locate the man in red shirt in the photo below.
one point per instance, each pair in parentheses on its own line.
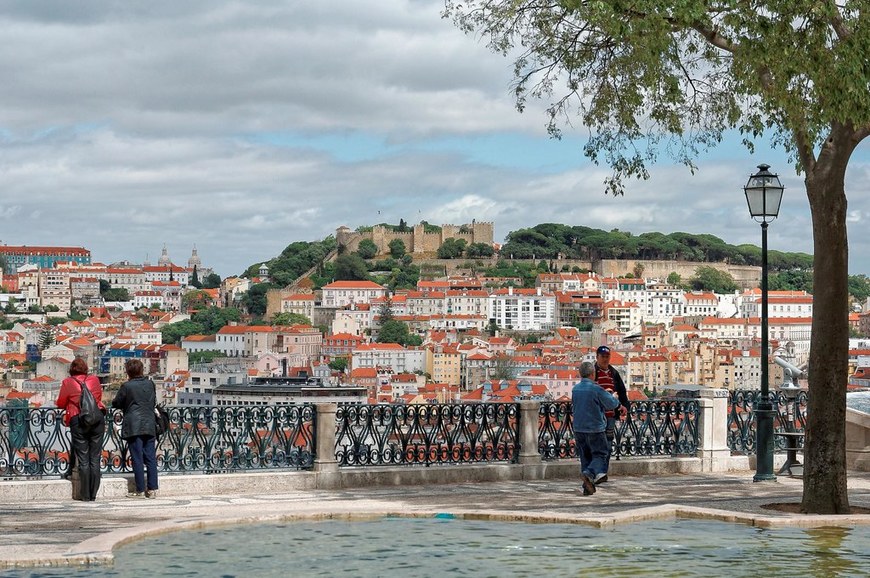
(607,377)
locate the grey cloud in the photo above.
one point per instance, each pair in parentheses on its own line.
(386,66)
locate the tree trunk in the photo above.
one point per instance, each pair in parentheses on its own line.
(825,444)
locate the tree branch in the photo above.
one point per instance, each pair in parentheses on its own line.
(861,133)
(837,22)
(713,37)
(805,150)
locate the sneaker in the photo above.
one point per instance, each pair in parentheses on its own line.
(600,478)
(588,485)
(151,494)
(135,494)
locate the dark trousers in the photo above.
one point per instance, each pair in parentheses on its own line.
(87,446)
(592,448)
(610,433)
(143,453)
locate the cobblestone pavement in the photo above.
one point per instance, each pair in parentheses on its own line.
(69,532)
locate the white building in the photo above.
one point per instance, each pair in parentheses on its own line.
(167,273)
(147,299)
(127,278)
(341,293)
(522,309)
(230,340)
(779,304)
(399,359)
(299,303)
(701,304)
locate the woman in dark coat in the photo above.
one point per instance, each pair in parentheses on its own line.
(137,398)
(87,444)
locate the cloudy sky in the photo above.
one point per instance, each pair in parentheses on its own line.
(239,127)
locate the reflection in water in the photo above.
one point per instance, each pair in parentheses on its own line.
(826,554)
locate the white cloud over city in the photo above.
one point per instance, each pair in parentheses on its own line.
(240,127)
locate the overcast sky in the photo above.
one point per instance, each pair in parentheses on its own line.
(240,127)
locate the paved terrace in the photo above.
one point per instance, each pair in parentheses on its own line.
(51,531)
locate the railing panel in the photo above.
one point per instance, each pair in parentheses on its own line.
(426,434)
(791,416)
(200,440)
(33,442)
(651,428)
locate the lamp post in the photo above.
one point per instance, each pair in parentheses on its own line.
(764,195)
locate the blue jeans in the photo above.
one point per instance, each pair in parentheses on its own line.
(593,449)
(143,453)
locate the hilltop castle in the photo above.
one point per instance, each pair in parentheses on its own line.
(417,241)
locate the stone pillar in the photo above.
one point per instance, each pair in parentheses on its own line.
(325,465)
(713,430)
(857,440)
(530,457)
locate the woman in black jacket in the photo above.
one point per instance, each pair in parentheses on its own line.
(137,399)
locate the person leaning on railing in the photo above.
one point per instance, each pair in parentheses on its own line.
(137,399)
(87,443)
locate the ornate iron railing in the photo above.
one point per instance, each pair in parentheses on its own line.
(214,439)
(791,417)
(651,428)
(426,434)
(33,442)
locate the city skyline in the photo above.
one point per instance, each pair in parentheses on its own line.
(239,129)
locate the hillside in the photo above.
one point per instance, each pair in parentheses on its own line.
(549,240)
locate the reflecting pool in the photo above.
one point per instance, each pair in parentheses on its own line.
(454,547)
(859,400)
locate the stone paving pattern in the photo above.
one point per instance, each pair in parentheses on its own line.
(71,532)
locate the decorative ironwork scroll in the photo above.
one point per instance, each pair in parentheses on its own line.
(208,439)
(791,417)
(426,434)
(651,428)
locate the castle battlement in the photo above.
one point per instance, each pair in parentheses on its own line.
(418,240)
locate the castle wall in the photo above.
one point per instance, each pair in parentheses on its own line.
(417,241)
(746,276)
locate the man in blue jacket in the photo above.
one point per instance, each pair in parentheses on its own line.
(590,402)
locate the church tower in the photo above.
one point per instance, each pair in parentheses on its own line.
(194,261)
(164,260)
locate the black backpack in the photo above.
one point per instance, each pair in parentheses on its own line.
(89,412)
(162,419)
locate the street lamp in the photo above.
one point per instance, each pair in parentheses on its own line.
(764,195)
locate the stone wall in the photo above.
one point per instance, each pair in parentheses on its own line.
(746,276)
(417,241)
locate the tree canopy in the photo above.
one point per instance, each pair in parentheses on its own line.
(294,260)
(287,318)
(394,331)
(254,301)
(351,267)
(367,249)
(452,248)
(711,279)
(397,248)
(549,240)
